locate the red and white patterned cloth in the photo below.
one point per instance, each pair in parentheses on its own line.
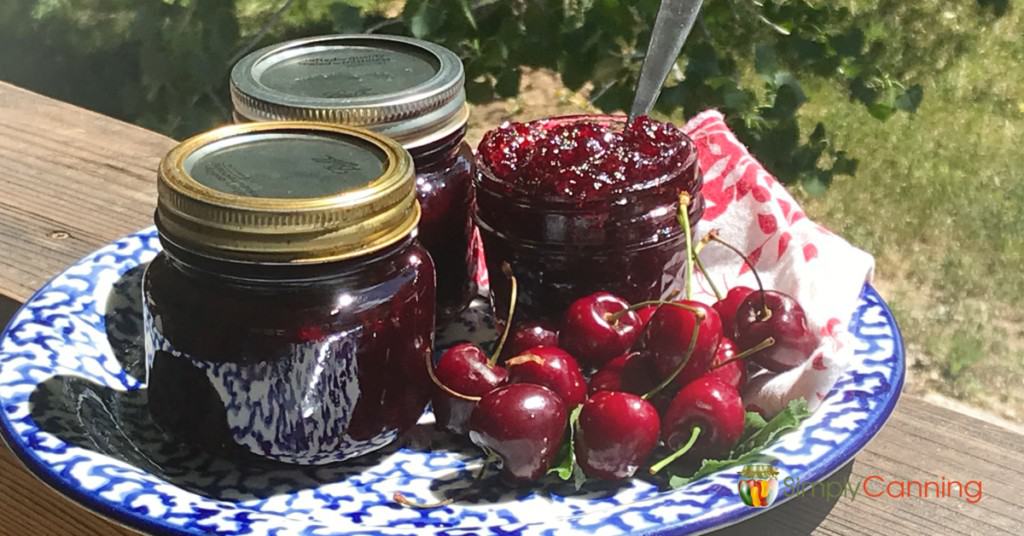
(754,212)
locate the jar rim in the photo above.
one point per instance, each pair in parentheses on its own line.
(276,273)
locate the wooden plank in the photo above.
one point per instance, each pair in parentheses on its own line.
(920,442)
(72,180)
(28,506)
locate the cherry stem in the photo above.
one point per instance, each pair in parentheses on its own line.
(513,294)
(524,358)
(614,317)
(401,499)
(437,381)
(703,242)
(684,220)
(703,270)
(767,343)
(760,286)
(686,358)
(694,434)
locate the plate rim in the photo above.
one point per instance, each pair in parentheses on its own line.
(40,470)
(119,515)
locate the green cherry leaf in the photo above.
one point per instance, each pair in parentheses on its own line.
(749,449)
(566,467)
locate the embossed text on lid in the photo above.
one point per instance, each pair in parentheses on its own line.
(286,165)
(347,71)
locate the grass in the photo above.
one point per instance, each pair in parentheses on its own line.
(939,200)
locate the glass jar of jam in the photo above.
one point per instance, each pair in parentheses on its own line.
(290,314)
(407,89)
(580,204)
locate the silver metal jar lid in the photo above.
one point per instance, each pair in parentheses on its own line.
(407,89)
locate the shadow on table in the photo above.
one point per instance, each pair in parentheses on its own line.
(800,515)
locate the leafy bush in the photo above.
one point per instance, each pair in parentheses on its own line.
(743,57)
(163,63)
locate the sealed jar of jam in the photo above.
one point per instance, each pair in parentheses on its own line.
(407,89)
(584,203)
(291,312)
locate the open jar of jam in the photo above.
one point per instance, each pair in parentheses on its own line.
(580,204)
(290,314)
(407,89)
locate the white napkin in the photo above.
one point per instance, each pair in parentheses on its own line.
(754,212)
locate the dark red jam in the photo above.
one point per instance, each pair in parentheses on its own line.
(584,159)
(444,176)
(299,364)
(407,89)
(584,203)
(290,315)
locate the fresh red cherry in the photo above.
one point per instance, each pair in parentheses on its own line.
(523,424)
(599,327)
(464,373)
(617,432)
(630,372)
(734,371)
(528,335)
(608,377)
(711,405)
(774,314)
(667,339)
(645,313)
(464,369)
(770,325)
(727,306)
(553,368)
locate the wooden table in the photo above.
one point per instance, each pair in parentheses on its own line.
(72,180)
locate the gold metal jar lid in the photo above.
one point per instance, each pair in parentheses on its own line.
(286,193)
(408,89)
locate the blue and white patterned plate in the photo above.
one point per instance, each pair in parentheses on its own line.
(74,410)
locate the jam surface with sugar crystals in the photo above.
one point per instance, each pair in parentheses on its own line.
(583,160)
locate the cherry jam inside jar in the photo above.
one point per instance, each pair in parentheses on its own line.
(408,89)
(444,178)
(580,204)
(290,314)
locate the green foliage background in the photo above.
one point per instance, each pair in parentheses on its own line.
(163,64)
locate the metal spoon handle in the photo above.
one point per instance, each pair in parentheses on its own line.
(674,22)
